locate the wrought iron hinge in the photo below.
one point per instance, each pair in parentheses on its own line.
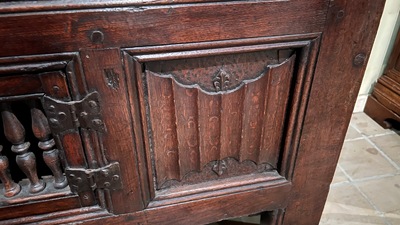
(107,177)
(64,116)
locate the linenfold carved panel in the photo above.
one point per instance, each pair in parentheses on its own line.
(204,110)
(219,169)
(216,73)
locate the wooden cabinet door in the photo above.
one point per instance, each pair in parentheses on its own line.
(212,110)
(57,115)
(220,121)
(38,147)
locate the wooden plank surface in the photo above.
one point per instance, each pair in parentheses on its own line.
(34,33)
(351,29)
(104,73)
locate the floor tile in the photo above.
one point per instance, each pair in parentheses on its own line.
(366,125)
(393,218)
(380,201)
(346,206)
(384,193)
(390,144)
(360,159)
(339,176)
(352,133)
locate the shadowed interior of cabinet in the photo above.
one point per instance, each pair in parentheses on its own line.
(30,162)
(22,112)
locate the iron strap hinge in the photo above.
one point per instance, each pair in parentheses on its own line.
(69,115)
(107,177)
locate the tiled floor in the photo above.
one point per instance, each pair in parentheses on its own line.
(366,186)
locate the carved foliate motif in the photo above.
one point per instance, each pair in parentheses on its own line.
(220,169)
(212,108)
(221,80)
(219,73)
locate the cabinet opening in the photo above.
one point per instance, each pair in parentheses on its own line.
(30,162)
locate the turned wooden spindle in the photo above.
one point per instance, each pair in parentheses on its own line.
(10,187)
(41,130)
(15,133)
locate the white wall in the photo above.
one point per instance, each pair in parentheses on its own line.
(381,49)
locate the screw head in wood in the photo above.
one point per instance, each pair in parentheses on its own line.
(97,122)
(340,14)
(56,88)
(359,60)
(105,173)
(51,108)
(62,116)
(92,104)
(115,177)
(97,37)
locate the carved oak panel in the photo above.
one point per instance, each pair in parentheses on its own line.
(207,109)
(210,115)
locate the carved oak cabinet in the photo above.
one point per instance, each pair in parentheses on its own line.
(176,112)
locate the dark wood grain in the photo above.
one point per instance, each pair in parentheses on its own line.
(277,97)
(213,109)
(222,207)
(386,93)
(165,142)
(253,115)
(298,106)
(55,85)
(237,175)
(141,141)
(394,60)
(187,117)
(12,6)
(10,187)
(329,109)
(116,141)
(209,127)
(378,112)
(41,130)
(39,207)
(197,22)
(60,217)
(24,84)
(231,133)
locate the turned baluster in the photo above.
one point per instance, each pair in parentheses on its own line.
(10,187)
(15,133)
(41,130)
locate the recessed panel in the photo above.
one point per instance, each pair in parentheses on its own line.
(216,117)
